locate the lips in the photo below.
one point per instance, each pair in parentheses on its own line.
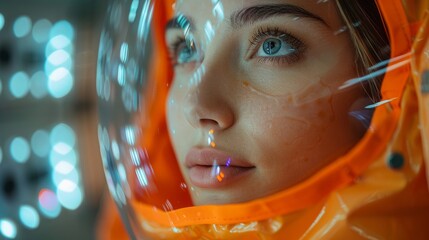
(212,168)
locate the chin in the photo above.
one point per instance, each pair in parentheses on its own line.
(219,198)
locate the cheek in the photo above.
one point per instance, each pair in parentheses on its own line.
(294,127)
(176,122)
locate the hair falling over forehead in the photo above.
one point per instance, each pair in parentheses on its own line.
(364,23)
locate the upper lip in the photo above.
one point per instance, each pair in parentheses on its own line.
(210,156)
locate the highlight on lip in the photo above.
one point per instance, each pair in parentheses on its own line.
(212,168)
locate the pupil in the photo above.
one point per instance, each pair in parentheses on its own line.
(272,46)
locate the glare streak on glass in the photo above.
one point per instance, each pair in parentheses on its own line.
(130,136)
(142,178)
(384,63)
(210,32)
(218,11)
(115,150)
(210,138)
(121,75)
(135,156)
(145,20)
(364,234)
(133,11)
(341,30)
(196,77)
(372,75)
(124,52)
(380,103)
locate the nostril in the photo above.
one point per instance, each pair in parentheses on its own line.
(206,122)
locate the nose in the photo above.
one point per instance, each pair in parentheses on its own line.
(208,103)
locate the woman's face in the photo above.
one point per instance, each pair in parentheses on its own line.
(255,105)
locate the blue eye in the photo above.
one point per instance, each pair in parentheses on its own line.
(274,47)
(184,52)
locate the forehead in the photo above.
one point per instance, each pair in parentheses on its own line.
(203,10)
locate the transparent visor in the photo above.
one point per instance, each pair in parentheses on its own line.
(210,102)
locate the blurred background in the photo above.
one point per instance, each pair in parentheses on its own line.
(51,177)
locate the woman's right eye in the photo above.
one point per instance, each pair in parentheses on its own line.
(183,52)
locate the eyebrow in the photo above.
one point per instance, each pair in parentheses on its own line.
(253,14)
(248,16)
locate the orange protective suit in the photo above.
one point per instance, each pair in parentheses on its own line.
(377,191)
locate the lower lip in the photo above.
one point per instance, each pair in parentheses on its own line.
(208,177)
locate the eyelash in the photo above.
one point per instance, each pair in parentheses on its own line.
(256,41)
(173,49)
(264,33)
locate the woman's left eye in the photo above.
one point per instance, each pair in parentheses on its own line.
(274,47)
(271,44)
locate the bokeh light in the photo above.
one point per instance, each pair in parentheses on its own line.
(59,57)
(50,48)
(56,157)
(60,41)
(67,185)
(63,133)
(19,149)
(60,82)
(41,30)
(64,167)
(1,21)
(29,216)
(40,143)
(19,84)
(133,11)
(62,148)
(22,26)
(115,150)
(58,176)
(70,199)
(8,228)
(38,85)
(62,27)
(124,52)
(48,203)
